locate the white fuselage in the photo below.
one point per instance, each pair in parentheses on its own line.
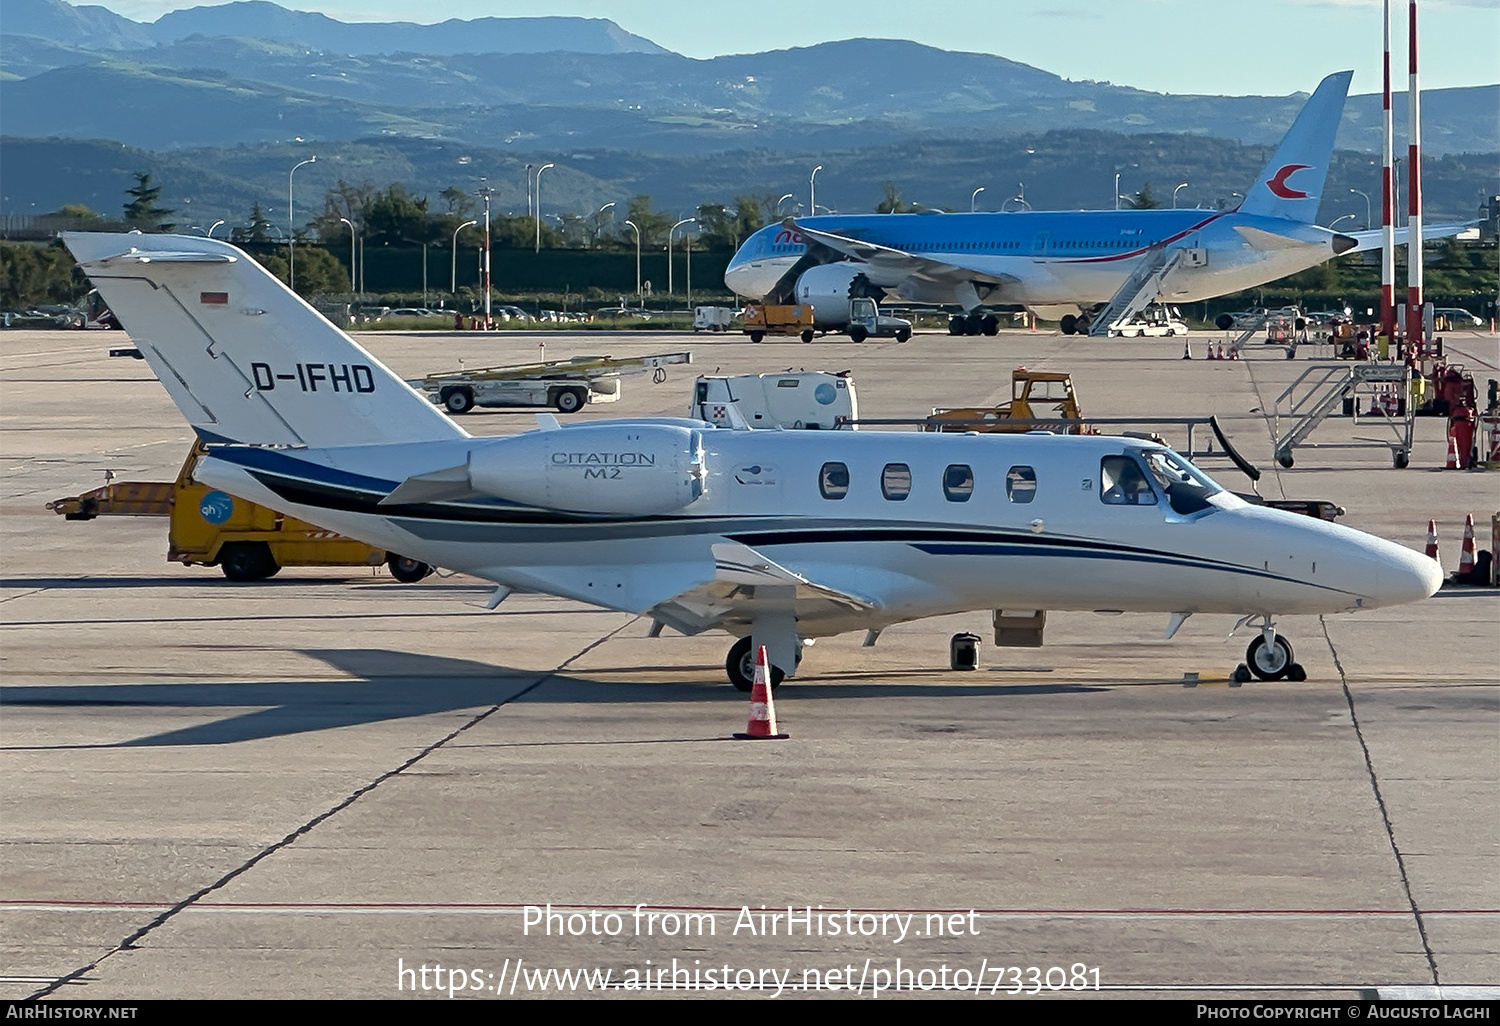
(1055,545)
(1049,259)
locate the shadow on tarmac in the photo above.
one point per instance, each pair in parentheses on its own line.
(399,685)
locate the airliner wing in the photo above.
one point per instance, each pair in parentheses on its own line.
(892,264)
(1371,239)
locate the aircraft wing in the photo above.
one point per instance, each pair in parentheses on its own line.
(896,264)
(1371,239)
(747,582)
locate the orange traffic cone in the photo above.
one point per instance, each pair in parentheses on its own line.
(1432,546)
(1209,355)
(1234,354)
(1466,554)
(762,709)
(1186,355)
(1452,463)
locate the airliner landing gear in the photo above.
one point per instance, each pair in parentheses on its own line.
(976,323)
(1269,657)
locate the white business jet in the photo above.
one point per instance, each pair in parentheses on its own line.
(777,537)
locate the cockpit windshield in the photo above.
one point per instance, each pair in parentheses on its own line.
(1187,488)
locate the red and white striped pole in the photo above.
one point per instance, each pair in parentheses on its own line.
(1388,204)
(1414,193)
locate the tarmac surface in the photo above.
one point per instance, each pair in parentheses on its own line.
(330,784)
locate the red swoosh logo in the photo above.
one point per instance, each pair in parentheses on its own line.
(1278,185)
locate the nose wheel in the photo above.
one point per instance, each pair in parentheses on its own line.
(1269,657)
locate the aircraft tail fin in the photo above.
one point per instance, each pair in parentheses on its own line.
(1291,185)
(244,358)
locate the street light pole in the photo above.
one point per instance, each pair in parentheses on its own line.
(215,225)
(1367,206)
(453,278)
(812,191)
(781,201)
(539,204)
(529,169)
(597,214)
(1174,194)
(485,269)
(1117,190)
(974,197)
(291,241)
(679,224)
(638,297)
(351,252)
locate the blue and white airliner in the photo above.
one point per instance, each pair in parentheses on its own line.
(1093,270)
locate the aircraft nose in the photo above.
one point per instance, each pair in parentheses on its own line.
(1406,576)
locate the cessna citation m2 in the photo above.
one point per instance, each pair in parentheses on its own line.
(777,537)
(1093,270)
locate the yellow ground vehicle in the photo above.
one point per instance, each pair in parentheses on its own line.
(1034,395)
(209,527)
(761,321)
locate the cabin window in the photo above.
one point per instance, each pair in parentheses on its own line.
(958,482)
(895,481)
(1123,483)
(1020,484)
(833,481)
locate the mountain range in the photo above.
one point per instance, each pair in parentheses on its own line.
(253,79)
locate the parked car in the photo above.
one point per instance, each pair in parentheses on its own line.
(511,313)
(417,311)
(1458,317)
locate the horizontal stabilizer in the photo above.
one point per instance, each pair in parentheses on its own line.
(136,256)
(1371,239)
(1269,242)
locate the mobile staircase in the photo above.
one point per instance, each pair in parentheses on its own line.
(1140,290)
(1325,390)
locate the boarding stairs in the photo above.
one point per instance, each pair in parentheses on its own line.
(1247,333)
(1140,290)
(1325,390)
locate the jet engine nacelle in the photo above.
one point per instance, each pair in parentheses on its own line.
(623,470)
(828,289)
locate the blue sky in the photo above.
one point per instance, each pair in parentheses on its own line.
(1226,47)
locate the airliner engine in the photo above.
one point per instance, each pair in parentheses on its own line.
(828,289)
(619,469)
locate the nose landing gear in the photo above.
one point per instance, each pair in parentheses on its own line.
(1269,657)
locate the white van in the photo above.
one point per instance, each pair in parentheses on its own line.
(712,318)
(805,400)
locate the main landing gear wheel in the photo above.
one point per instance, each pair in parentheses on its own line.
(989,324)
(740,666)
(956,325)
(1273,661)
(1068,324)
